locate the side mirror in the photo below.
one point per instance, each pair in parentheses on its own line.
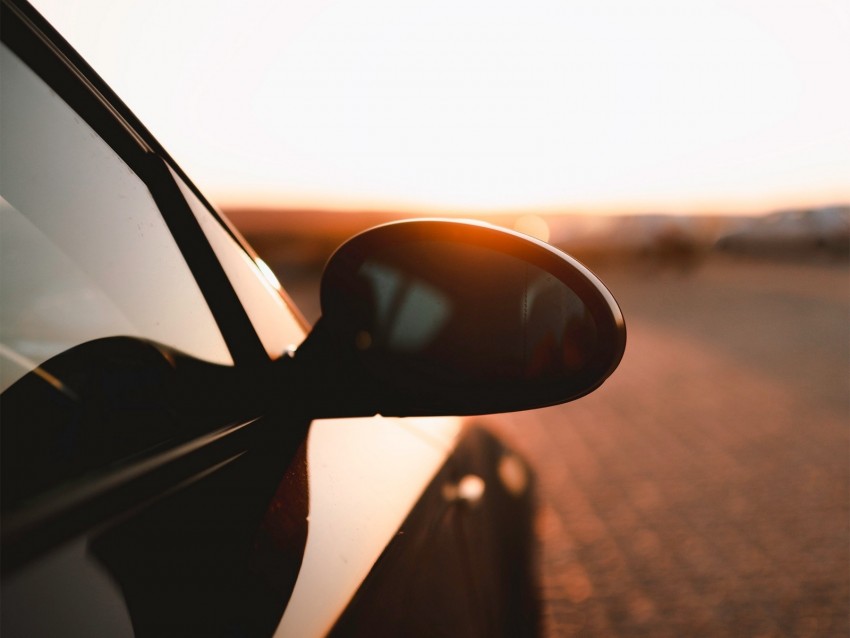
(435,317)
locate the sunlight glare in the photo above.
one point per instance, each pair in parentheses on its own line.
(268,273)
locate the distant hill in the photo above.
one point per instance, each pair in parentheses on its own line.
(308,237)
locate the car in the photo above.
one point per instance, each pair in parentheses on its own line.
(182,454)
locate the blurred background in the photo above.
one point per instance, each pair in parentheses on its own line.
(695,155)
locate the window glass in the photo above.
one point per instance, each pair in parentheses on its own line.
(108,349)
(86,253)
(259,292)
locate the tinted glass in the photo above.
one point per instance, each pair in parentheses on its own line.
(107,347)
(86,253)
(471,313)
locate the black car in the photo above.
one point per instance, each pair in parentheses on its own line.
(183,455)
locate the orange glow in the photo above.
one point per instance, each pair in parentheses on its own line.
(613,106)
(533,225)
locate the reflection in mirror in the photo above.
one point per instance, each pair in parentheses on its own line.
(467,318)
(408,314)
(509,320)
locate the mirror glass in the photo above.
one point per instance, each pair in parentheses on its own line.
(470,317)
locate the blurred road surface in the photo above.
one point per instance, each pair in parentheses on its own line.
(704,490)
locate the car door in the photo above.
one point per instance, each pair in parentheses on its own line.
(149,485)
(122,500)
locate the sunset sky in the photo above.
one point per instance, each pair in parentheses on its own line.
(474,105)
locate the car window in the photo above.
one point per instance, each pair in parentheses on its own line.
(86,253)
(108,349)
(275,323)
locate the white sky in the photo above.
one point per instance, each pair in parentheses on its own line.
(607,105)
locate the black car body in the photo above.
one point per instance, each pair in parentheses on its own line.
(150,485)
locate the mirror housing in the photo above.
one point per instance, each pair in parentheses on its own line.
(438,317)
